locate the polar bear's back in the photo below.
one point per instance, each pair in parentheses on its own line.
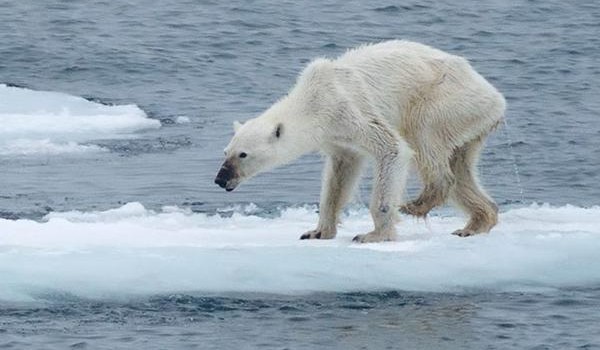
(394,70)
(411,84)
(406,64)
(393,49)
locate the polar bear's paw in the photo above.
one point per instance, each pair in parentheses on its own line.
(416,208)
(374,236)
(318,234)
(465,232)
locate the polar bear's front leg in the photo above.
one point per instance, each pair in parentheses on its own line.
(392,157)
(341,174)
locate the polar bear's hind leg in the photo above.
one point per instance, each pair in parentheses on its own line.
(468,194)
(438,180)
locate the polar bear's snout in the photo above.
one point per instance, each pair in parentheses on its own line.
(227,176)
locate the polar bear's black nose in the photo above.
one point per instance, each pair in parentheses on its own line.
(225,174)
(222,183)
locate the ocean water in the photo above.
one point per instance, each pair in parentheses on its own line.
(113,117)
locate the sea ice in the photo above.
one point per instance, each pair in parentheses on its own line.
(132,250)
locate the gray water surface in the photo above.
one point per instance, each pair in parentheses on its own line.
(217,62)
(387,320)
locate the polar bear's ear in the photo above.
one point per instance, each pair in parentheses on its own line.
(236,126)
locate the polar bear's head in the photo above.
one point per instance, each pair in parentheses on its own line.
(288,129)
(258,145)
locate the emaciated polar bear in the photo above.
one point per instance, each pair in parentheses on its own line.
(394,101)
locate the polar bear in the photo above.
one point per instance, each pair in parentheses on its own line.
(396,102)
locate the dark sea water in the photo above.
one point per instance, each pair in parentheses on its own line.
(390,320)
(219,61)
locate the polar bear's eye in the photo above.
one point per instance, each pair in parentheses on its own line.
(278,130)
(243,155)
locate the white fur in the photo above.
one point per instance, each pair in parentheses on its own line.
(393,101)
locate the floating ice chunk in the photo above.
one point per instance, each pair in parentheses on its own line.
(45,122)
(27,147)
(182,119)
(132,250)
